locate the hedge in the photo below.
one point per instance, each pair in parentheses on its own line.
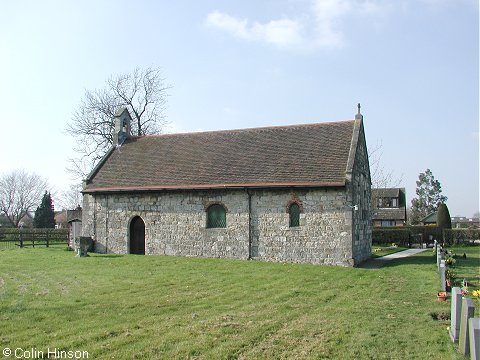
(397,235)
(461,236)
(407,235)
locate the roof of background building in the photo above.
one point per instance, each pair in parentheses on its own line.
(297,155)
(464,219)
(389,214)
(430,218)
(387,192)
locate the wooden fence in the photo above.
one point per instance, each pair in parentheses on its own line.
(11,237)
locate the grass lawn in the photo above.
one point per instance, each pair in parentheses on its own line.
(379,251)
(141,307)
(467,268)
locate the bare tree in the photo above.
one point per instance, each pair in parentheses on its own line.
(381,178)
(20,192)
(71,198)
(143,92)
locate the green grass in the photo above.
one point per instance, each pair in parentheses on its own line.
(467,268)
(141,307)
(379,251)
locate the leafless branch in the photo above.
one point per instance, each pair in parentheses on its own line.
(381,178)
(20,192)
(70,199)
(143,92)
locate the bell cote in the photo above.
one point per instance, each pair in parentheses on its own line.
(122,126)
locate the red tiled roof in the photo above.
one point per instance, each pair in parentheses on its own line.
(297,155)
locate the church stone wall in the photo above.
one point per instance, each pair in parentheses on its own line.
(323,237)
(257,224)
(175,223)
(359,190)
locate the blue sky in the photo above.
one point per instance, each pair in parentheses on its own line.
(412,64)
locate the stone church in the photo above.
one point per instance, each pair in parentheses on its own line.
(299,193)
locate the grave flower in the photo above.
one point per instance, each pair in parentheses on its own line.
(450,261)
(450,274)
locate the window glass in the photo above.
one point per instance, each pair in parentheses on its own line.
(294,212)
(379,202)
(216,217)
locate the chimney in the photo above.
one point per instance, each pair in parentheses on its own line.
(122,126)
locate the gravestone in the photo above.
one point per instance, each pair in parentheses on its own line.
(82,245)
(468,311)
(442,276)
(474,334)
(455,312)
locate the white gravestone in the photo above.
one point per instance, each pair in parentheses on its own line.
(456,310)
(468,311)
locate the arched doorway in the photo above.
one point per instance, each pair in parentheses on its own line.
(137,236)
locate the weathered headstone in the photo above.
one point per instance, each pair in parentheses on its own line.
(442,276)
(468,311)
(455,312)
(82,244)
(474,334)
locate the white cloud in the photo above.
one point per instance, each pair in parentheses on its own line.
(319,27)
(284,32)
(228,23)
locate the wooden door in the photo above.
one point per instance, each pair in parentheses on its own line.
(137,236)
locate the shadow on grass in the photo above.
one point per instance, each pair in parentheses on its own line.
(424,258)
(109,256)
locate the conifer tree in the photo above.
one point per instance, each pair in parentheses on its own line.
(44,215)
(444,221)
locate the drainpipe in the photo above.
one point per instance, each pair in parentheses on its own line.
(106,224)
(94,217)
(249,225)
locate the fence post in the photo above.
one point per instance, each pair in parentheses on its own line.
(20,237)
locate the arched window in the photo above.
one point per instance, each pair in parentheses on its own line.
(216,216)
(294,212)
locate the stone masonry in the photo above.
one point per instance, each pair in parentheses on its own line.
(175,224)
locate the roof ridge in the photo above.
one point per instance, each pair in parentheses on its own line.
(326,123)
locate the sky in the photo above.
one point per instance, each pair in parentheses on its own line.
(412,64)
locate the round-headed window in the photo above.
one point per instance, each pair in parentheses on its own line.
(216,216)
(294,212)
